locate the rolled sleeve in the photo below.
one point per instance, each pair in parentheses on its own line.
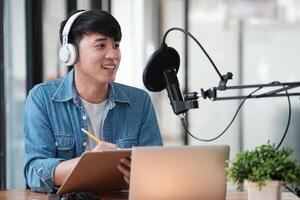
(40,149)
(40,174)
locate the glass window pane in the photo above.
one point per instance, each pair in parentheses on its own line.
(54,12)
(271,54)
(219,37)
(15,66)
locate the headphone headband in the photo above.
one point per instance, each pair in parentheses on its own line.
(68,26)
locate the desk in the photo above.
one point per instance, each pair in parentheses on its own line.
(29,195)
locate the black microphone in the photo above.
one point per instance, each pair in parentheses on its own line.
(173,89)
(160,73)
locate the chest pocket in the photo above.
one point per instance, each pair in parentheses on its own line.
(126,142)
(65,146)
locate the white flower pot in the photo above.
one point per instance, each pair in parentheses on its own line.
(273,190)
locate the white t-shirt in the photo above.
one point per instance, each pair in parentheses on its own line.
(95,120)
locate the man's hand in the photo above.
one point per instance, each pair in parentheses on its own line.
(104,146)
(124,167)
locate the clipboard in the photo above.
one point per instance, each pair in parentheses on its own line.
(97,173)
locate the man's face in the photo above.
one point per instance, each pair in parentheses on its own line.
(99,58)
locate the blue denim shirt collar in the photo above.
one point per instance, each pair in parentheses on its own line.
(67,91)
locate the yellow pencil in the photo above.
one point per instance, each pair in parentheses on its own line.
(91,135)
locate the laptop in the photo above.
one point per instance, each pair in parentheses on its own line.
(179,172)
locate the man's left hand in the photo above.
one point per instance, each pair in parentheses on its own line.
(124,167)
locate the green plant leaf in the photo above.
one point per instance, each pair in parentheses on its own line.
(263,164)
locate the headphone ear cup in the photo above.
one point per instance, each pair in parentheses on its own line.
(68,54)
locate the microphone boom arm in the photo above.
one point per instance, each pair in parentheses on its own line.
(212,93)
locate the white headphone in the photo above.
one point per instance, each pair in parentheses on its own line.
(68,51)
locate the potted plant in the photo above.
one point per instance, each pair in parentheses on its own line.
(263,168)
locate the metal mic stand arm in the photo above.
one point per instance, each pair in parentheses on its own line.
(212,92)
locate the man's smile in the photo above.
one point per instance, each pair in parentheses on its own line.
(109,66)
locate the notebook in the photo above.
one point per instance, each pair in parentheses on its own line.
(97,173)
(185,172)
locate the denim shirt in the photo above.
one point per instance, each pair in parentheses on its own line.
(53,118)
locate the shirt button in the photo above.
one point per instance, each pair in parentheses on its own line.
(56,144)
(84,144)
(84,117)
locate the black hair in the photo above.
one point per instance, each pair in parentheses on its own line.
(93,21)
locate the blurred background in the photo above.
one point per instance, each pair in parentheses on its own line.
(257,40)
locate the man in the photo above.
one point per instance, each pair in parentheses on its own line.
(121,116)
